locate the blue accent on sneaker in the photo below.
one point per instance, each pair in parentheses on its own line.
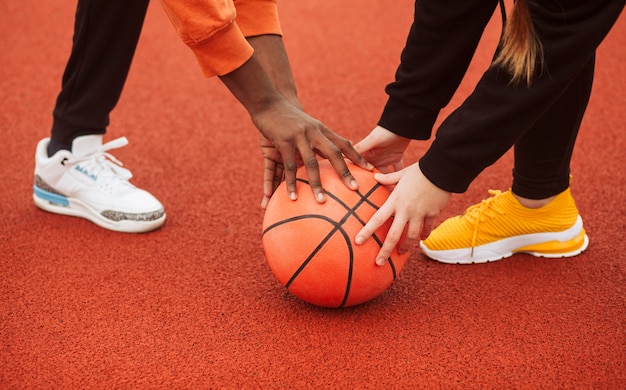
(86,172)
(50,197)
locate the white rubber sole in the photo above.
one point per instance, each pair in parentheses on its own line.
(567,243)
(75,208)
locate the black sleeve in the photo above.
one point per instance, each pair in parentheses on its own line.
(439,48)
(498,113)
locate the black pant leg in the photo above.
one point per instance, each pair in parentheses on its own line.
(106,33)
(543,153)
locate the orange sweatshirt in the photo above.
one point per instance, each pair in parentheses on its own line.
(216,30)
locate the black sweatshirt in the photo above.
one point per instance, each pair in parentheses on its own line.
(439,48)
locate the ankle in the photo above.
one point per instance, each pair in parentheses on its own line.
(54,146)
(533,203)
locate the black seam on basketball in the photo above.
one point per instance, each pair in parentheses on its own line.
(337,228)
(352,211)
(348,243)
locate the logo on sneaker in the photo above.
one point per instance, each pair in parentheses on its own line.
(86,172)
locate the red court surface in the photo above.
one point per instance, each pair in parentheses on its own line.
(195,305)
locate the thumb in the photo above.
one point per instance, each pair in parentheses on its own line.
(389,178)
(365,144)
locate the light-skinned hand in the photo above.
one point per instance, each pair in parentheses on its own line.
(413,204)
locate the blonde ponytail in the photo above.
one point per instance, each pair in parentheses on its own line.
(520,52)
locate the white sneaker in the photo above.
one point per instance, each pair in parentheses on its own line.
(90,183)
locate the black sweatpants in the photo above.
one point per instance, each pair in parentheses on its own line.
(540,121)
(106,33)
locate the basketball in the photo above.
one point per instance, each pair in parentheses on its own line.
(310,246)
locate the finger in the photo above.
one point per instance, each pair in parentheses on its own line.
(391,178)
(269,175)
(391,240)
(278,176)
(339,165)
(313,172)
(411,237)
(272,177)
(346,148)
(288,154)
(365,144)
(376,221)
(264,202)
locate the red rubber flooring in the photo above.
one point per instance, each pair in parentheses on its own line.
(194,305)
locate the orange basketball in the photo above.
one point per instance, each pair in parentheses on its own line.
(310,246)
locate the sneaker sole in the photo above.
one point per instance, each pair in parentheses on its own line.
(567,243)
(59,204)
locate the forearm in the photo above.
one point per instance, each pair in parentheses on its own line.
(252,86)
(270,52)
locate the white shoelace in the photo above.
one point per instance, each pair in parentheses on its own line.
(103,165)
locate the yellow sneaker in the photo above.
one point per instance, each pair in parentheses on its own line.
(500,226)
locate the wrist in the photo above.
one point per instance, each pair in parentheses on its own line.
(252,87)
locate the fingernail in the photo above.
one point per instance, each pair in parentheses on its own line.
(359,240)
(321,197)
(293,196)
(380,261)
(354,184)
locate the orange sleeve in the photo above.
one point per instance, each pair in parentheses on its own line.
(208,27)
(258,17)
